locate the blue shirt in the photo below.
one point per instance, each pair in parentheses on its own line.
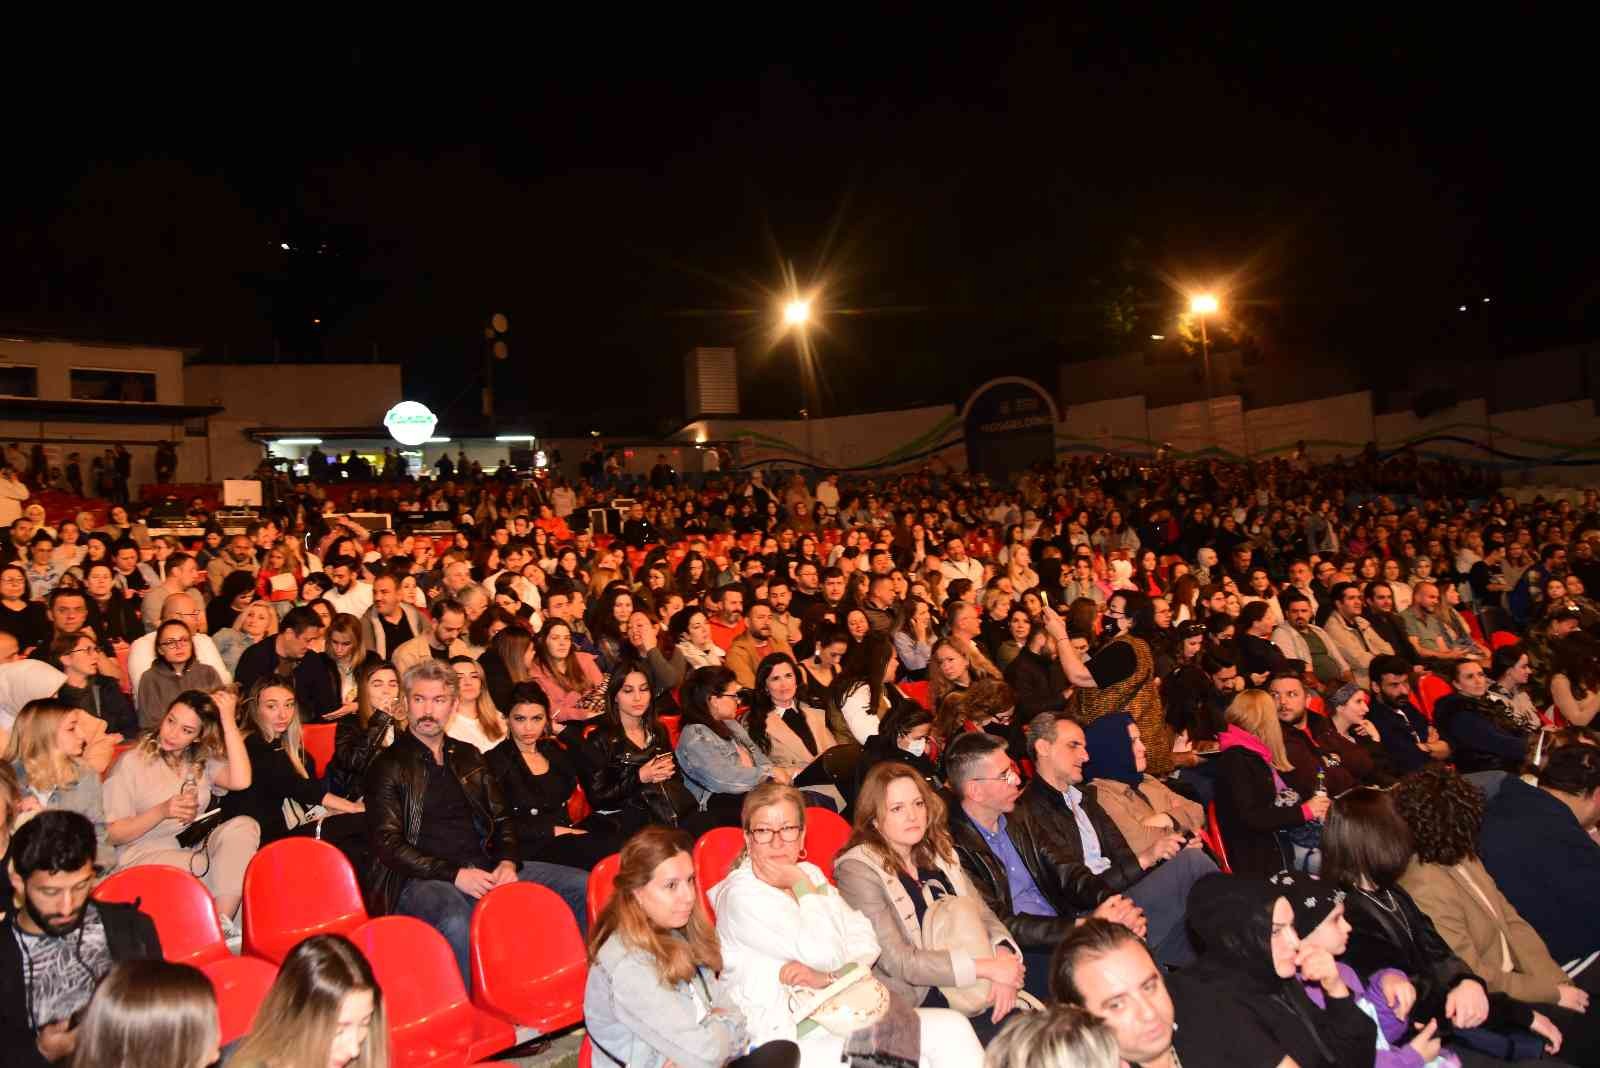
(1026,899)
(1093,859)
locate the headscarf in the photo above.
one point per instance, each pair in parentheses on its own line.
(1111,750)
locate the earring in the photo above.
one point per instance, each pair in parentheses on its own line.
(802,852)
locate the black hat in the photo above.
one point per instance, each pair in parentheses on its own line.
(1190,628)
(1312,899)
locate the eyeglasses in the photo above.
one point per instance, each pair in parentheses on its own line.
(763,835)
(1008,776)
(174,643)
(730,696)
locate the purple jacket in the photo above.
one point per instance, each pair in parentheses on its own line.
(1396,1032)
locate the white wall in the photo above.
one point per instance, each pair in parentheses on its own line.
(1186,427)
(1120,423)
(56,359)
(1324,425)
(293,394)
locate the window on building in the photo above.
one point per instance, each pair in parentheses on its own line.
(93,384)
(19,380)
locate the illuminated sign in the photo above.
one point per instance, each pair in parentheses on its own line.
(410,423)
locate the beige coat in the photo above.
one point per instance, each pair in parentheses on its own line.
(1358,645)
(788,751)
(905,965)
(409,654)
(1474,932)
(743,657)
(1129,808)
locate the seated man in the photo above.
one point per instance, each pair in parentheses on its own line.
(1536,843)
(1411,741)
(1159,1022)
(441,834)
(755,644)
(1354,637)
(443,641)
(1084,859)
(995,853)
(1298,638)
(58,943)
(1314,767)
(289,653)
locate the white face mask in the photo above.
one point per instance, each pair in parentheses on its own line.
(916,747)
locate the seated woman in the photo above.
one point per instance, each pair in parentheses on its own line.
(629,773)
(108,715)
(1366,847)
(158,788)
(45,754)
(720,762)
(285,789)
(819,670)
(1019,624)
(956,663)
(1253,954)
(1484,734)
(324,1010)
(1509,671)
(1450,884)
(359,738)
(538,778)
(785,930)
(904,737)
(1141,806)
(174,671)
(255,622)
(654,995)
(793,734)
(149,1014)
(864,689)
(507,661)
(689,633)
(913,638)
(899,861)
(1575,678)
(476,721)
(568,676)
(988,705)
(347,655)
(1347,732)
(1254,804)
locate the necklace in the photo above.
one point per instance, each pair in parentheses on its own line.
(1393,908)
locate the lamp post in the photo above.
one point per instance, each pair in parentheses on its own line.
(797,317)
(1202,305)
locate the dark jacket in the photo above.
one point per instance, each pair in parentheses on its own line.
(117,619)
(1250,812)
(130,935)
(1478,742)
(610,764)
(496,679)
(1308,758)
(1367,761)
(1038,683)
(272,780)
(354,748)
(1055,849)
(1546,864)
(396,782)
(1387,930)
(988,875)
(1402,728)
(104,700)
(536,805)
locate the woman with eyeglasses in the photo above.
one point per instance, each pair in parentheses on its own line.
(174,671)
(787,932)
(96,694)
(720,761)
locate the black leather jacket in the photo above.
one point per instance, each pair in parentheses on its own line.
(610,764)
(396,783)
(353,751)
(988,875)
(1054,849)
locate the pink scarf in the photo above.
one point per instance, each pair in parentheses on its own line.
(1236,737)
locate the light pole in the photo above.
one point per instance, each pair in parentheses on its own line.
(1202,305)
(797,317)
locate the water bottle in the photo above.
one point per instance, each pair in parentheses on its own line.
(1322,783)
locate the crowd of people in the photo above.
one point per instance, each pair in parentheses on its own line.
(1157,763)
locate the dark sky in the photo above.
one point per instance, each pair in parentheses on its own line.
(970,191)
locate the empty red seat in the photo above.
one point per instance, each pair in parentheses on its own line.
(917,691)
(181,907)
(430,1019)
(673,725)
(1315,703)
(278,911)
(529,973)
(714,855)
(826,834)
(1429,689)
(1503,637)
(241,983)
(601,878)
(318,739)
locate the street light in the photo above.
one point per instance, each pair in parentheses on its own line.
(1202,305)
(797,318)
(797,312)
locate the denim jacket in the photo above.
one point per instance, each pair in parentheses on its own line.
(712,766)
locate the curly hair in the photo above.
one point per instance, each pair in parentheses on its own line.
(1445,813)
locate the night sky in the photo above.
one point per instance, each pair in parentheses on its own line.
(975,195)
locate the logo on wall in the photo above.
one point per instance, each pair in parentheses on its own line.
(410,423)
(1010,423)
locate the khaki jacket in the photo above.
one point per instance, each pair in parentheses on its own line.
(1358,644)
(743,658)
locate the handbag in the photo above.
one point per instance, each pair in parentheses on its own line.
(296,815)
(852,1002)
(955,922)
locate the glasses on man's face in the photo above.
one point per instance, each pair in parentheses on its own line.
(175,643)
(763,835)
(1009,776)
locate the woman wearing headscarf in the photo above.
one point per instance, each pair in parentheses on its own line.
(1253,954)
(1141,806)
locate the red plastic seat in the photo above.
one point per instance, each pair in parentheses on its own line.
(318,739)
(586,1053)
(673,725)
(826,834)
(1316,704)
(1501,638)
(578,806)
(714,855)
(918,692)
(601,879)
(531,974)
(1212,835)
(241,983)
(278,914)
(182,908)
(431,1022)
(1429,689)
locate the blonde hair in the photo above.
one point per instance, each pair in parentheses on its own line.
(1062,1036)
(266,608)
(33,742)
(297,1021)
(487,715)
(293,747)
(1256,712)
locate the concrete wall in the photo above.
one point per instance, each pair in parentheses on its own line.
(1104,425)
(292,394)
(55,361)
(878,440)
(1188,430)
(1327,426)
(1469,419)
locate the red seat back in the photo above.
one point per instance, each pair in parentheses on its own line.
(182,908)
(531,974)
(1429,689)
(826,834)
(673,725)
(318,739)
(714,855)
(430,1019)
(278,912)
(241,984)
(601,878)
(578,806)
(1316,704)
(918,692)
(1503,637)
(1212,834)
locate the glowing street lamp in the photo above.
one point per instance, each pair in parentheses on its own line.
(797,312)
(1202,305)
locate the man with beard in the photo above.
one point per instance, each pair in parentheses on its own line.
(58,944)
(442,834)
(288,654)
(1289,694)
